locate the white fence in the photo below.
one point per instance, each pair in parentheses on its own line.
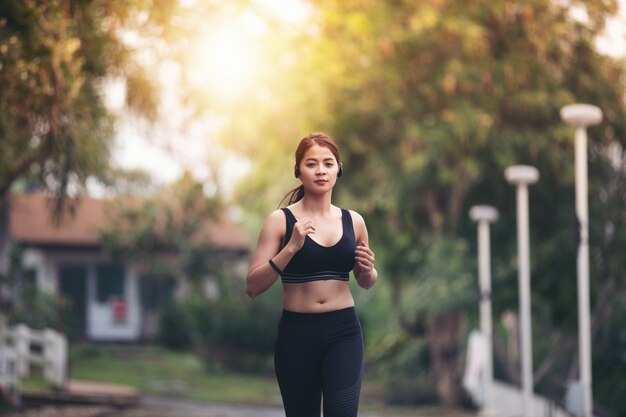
(9,376)
(506,399)
(23,347)
(508,403)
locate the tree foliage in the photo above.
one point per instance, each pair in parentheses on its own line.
(430,102)
(55,55)
(166,235)
(55,130)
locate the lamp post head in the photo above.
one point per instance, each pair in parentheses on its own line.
(521,174)
(581,115)
(483,213)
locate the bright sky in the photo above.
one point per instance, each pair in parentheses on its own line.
(614,41)
(232,46)
(223,62)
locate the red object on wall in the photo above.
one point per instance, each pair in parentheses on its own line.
(119,309)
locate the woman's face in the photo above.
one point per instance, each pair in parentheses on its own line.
(318,169)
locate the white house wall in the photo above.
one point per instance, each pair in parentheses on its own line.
(100,323)
(45,269)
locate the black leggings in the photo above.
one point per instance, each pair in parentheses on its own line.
(319,354)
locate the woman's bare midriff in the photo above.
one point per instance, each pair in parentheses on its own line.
(317,296)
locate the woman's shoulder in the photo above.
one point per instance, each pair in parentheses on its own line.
(356,217)
(358,224)
(276,215)
(274,223)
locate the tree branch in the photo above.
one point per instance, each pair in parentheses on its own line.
(434,216)
(20,168)
(559,348)
(602,305)
(455,205)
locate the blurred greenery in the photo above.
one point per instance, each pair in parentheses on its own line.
(165,232)
(54,126)
(36,309)
(56,131)
(158,371)
(429,101)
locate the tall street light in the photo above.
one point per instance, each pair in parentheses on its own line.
(521,176)
(581,116)
(484,215)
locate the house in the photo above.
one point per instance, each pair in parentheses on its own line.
(108,300)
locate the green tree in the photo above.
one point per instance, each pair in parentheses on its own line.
(55,56)
(55,130)
(430,101)
(446,95)
(166,235)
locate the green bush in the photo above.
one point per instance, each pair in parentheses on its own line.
(411,391)
(236,322)
(398,356)
(251,327)
(402,364)
(232,331)
(8,400)
(36,309)
(176,327)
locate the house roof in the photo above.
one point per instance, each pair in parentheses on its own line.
(31,224)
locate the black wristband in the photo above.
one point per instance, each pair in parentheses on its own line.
(275,267)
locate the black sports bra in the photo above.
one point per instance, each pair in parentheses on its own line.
(314,262)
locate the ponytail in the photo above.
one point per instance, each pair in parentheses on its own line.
(293,196)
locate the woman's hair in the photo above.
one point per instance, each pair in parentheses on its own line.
(305,144)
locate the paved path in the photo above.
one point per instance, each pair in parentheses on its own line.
(198,409)
(154,409)
(158,407)
(195,409)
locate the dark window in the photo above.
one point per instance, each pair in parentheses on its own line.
(110,281)
(73,292)
(29,280)
(155,292)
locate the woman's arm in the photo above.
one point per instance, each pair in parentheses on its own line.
(261,275)
(364,271)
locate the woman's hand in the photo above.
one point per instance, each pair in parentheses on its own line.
(301,229)
(364,271)
(364,258)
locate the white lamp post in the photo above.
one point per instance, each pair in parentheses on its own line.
(484,215)
(521,176)
(581,116)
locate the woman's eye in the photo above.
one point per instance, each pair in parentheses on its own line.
(330,165)
(310,165)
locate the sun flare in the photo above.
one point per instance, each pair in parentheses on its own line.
(230,54)
(225,61)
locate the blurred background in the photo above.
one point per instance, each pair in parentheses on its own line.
(144,142)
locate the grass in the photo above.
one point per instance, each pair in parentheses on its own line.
(35,382)
(156,371)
